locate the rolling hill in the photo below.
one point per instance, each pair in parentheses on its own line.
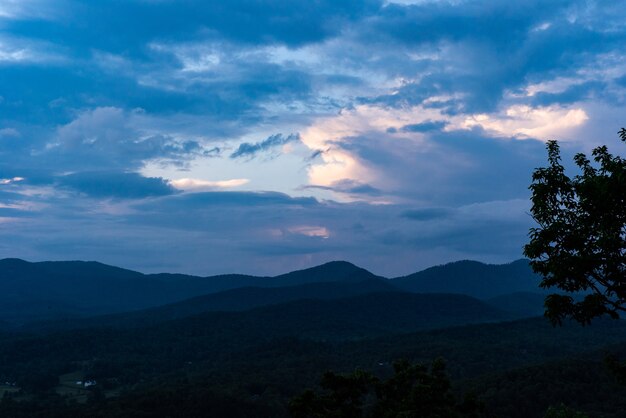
(240,299)
(49,290)
(479,280)
(46,291)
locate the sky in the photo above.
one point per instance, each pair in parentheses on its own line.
(263,136)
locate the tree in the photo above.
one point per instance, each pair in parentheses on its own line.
(579,245)
(413,391)
(562,411)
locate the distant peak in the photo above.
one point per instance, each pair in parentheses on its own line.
(13,261)
(458,263)
(523,261)
(336,266)
(339,263)
(331,271)
(479,263)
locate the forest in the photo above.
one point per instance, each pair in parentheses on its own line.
(270,352)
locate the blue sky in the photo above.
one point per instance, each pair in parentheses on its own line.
(261,136)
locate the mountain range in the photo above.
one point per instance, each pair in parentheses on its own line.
(46,291)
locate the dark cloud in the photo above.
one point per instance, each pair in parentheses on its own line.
(105,90)
(473,165)
(350,187)
(575,93)
(427,214)
(425,126)
(314,155)
(14,213)
(621,80)
(131,24)
(243,199)
(482,49)
(109,138)
(116,185)
(250,150)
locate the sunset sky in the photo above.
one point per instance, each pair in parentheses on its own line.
(262,136)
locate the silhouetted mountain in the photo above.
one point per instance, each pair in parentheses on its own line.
(523,304)
(54,290)
(335,271)
(47,290)
(359,316)
(372,314)
(472,278)
(240,299)
(66,288)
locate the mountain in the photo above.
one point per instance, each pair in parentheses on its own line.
(49,290)
(351,318)
(479,280)
(72,289)
(240,299)
(523,304)
(335,271)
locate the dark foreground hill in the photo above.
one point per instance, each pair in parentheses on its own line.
(326,318)
(218,361)
(240,299)
(479,280)
(522,304)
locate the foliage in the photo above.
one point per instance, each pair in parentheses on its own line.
(562,411)
(617,368)
(412,391)
(182,364)
(579,246)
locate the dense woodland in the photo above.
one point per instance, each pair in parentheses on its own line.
(254,352)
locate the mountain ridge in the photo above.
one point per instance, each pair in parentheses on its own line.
(472,278)
(35,291)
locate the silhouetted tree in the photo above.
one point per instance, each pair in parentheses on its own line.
(413,391)
(579,245)
(563,412)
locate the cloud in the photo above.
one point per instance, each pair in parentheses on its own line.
(525,121)
(427,214)
(9,133)
(104,184)
(426,126)
(247,21)
(135,124)
(197,184)
(250,150)
(480,50)
(27,9)
(10,180)
(349,187)
(370,145)
(112,138)
(229,198)
(310,231)
(574,93)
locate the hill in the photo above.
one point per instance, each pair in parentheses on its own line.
(50,290)
(265,358)
(479,280)
(47,291)
(358,316)
(240,299)
(522,304)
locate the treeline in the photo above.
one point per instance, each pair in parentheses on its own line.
(516,369)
